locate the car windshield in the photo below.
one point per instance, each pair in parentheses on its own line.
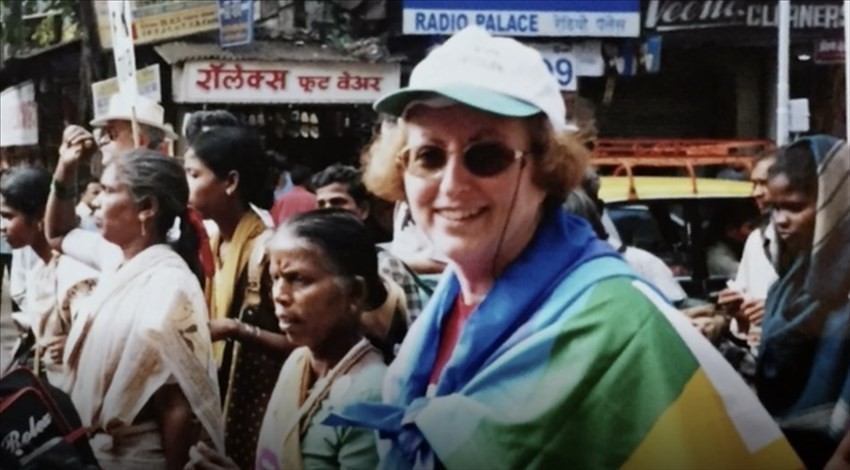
(700,240)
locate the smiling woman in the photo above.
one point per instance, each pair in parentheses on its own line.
(538,329)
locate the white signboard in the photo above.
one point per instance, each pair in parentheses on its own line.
(18,116)
(147,82)
(283,82)
(121,21)
(567,62)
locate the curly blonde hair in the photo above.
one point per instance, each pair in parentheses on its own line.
(558,160)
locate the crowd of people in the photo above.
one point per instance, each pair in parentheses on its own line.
(204,312)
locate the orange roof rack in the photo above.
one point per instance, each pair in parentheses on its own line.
(626,154)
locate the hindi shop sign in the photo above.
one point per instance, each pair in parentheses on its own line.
(287,82)
(18,116)
(586,18)
(161,21)
(674,15)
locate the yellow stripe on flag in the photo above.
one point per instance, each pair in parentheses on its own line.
(696,432)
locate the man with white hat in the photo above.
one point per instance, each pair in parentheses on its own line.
(118,128)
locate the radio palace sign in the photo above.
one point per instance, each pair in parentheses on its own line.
(673,15)
(574,18)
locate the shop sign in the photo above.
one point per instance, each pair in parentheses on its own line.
(236,22)
(18,116)
(566,62)
(672,15)
(162,20)
(829,51)
(287,82)
(583,18)
(147,82)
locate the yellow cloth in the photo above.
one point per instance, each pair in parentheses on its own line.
(221,291)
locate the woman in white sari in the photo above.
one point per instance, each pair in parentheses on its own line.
(324,266)
(139,359)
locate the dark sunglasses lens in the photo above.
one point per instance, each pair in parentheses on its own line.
(426,161)
(488,159)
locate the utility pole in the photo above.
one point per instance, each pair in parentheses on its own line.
(783,52)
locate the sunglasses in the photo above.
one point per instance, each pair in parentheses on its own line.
(482,159)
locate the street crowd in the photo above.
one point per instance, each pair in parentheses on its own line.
(208,311)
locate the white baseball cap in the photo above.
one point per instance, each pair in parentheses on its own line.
(494,74)
(148,112)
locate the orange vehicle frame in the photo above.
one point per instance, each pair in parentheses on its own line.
(626,154)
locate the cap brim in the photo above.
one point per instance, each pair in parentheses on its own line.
(476,97)
(101,122)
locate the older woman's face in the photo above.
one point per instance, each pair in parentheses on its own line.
(311,304)
(463,214)
(117,215)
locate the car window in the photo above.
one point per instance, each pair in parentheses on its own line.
(659,228)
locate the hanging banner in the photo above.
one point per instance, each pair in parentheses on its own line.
(283,82)
(161,21)
(120,21)
(569,61)
(587,18)
(147,82)
(18,116)
(236,22)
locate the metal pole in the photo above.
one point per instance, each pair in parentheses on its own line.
(783,51)
(846,70)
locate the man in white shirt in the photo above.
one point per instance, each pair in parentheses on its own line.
(745,296)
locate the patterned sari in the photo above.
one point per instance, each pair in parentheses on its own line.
(144,327)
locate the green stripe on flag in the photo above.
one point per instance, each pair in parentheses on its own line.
(613,370)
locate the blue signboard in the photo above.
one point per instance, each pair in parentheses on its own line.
(235,22)
(581,18)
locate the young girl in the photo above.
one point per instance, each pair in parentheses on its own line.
(227,174)
(803,374)
(57,283)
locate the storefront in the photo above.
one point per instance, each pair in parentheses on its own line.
(719,71)
(310,103)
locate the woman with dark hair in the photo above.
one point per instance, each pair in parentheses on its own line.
(139,361)
(56,283)
(803,372)
(227,173)
(324,268)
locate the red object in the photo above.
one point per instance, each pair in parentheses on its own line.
(294,202)
(450,335)
(205,253)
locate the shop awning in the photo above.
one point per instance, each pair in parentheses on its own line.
(267,51)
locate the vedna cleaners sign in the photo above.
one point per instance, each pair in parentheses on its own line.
(575,18)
